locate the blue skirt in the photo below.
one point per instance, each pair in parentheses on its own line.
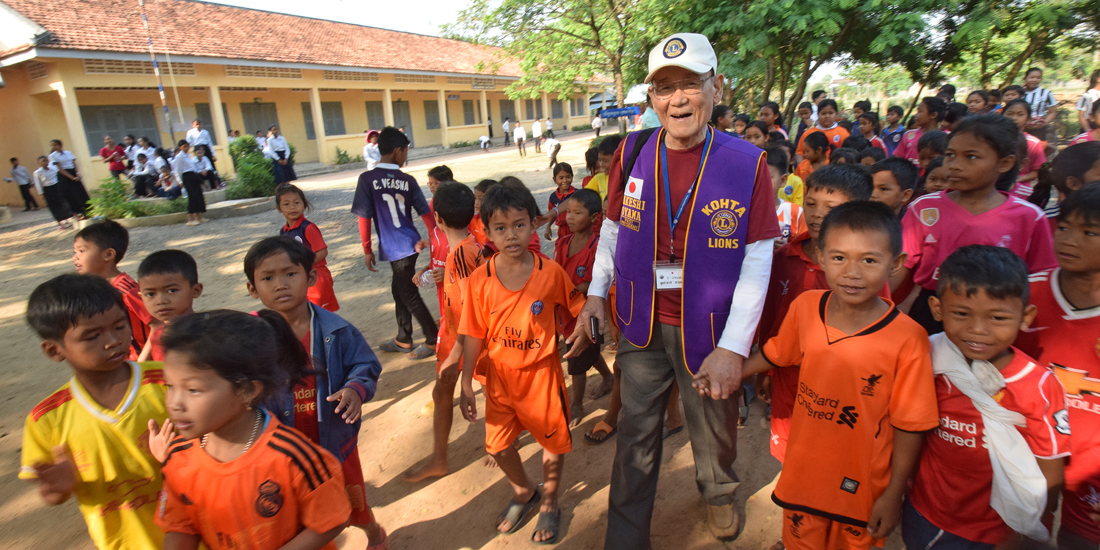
(282,173)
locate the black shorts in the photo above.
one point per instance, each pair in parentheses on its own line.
(579,365)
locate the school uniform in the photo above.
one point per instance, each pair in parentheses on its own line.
(891,138)
(206,165)
(142,175)
(520,137)
(549,128)
(21,177)
(72,190)
(552,148)
(278,149)
(184,167)
(536,135)
(45,181)
(507,133)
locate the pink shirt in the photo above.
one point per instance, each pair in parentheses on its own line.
(934,226)
(907,148)
(1036,156)
(1082,138)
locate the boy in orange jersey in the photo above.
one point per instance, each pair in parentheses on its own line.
(97,250)
(865,391)
(796,268)
(453,214)
(510,310)
(90,438)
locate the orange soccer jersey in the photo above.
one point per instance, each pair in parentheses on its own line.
(525,387)
(461,262)
(853,390)
(260,500)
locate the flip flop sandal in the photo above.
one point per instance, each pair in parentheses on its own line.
(669,433)
(421,352)
(778,546)
(600,427)
(516,511)
(548,521)
(385,544)
(392,347)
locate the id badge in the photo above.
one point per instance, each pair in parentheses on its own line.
(669,275)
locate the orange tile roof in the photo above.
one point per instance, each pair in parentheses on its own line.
(184,27)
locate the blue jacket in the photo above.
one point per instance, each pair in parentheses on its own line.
(347,362)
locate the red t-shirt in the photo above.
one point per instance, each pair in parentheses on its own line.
(954,480)
(305,400)
(440,247)
(156,352)
(139,316)
(556,198)
(577,266)
(683,166)
(314,240)
(119,157)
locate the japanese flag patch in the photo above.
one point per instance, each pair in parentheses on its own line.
(634,188)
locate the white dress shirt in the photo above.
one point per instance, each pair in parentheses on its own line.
(20,175)
(183,163)
(519,133)
(63,159)
(45,177)
(196,136)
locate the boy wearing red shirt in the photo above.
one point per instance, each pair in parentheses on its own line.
(1064,336)
(437,238)
(993,468)
(114,156)
(169,285)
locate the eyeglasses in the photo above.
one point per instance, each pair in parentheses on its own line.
(690,86)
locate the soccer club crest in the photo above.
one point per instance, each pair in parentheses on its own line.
(836,138)
(929,216)
(536,307)
(674,48)
(580,271)
(269,502)
(299,239)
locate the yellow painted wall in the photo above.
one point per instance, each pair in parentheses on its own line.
(20,136)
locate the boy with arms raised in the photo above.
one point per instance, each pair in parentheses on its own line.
(453,214)
(985,472)
(865,389)
(97,250)
(90,438)
(169,285)
(510,310)
(1063,336)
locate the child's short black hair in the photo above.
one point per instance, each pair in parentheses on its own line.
(854,180)
(1014,88)
(139,155)
(591,158)
(995,269)
(719,111)
(936,106)
(858,143)
(441,173)
(777,157)
(391,139)
(850,156)
(873,153)
(956,112)
(815,141)
(107,234)
(484,186)
(743,118)
(821,105)
(847,125)
(933,165)
(1021,102)
(508,197)
(862,105)
(897,110)
(289,188)
(170,262)
(935,140)
(58,304)
(904,172)
(872,117)
(609,144)
(1074,161)
(562,167)
(806,105)
(454,202)
(589,199)
(863,216)
(267,247)
(816,94)
(1084,202)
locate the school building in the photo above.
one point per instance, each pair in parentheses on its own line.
(78,70)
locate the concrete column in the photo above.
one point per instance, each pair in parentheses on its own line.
(518,106)
(441,98)
(318,123)
(545,105)
(387,107)
(78,140)
(567,110)
(485,114)
(221,129)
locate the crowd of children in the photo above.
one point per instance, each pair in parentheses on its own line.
(916,375)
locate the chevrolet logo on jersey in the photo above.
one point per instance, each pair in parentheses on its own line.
(1076,381)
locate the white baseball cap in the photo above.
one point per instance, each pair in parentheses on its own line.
(688,50)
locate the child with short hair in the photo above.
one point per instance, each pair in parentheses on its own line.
(97,250)
(987,470)
(237,477)
(791,220)
(1062,337)
(980,152)
(1073,168)
(607,148)
(827,111)
(576,253)
(453,216)
(388,196)
(292,203)
(89,437)
(563,178)
(796,268)
(869,156)
(844,155)
(806,119)
(477,226)
(929,115)
(955,113)
(895,180)
(815,148)
(168,281)
(46,183)
(870,128)
(1092,132)
(934,178)
(168,185)
(553,147)
(894,130)
(1012,93)
(437,239)
(511,311)
(931,145)
(865,391)
(1019,111)
(280,271)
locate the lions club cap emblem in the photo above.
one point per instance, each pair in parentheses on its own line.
(674,48)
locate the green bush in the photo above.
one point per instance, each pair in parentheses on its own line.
(581,128)
(254,178)
(463,143)
(342,156)
(242,146)
(112,201)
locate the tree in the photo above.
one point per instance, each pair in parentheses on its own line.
(559,42)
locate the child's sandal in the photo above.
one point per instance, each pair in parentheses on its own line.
(548,521)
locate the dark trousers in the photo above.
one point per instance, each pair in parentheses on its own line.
(646,383)
(919,533)
(549,133)
(597,132)
(407,303)
(507,138)
(74,193)
(28,198)
(554,155)
(490,130)
(538,144)
(192,182)
(55,200)
(521,144)
(141,185)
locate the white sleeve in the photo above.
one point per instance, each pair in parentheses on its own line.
(603,269)
(38,183)
(748,297)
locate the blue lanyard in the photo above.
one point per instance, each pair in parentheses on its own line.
(674,220)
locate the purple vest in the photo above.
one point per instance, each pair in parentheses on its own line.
(717,219)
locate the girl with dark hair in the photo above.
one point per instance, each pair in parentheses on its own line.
(870,128)
(278,150)
(1091,132)
(978,102)
(740,124)
(183,164)
(827,111)
(1086,104)
(773,117)
(722,118)
(1019,112)
(756,133)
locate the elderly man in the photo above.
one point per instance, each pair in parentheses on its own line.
(693,200)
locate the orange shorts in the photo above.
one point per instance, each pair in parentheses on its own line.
(357,491)
(443,346)
(533,399)
(804,531)
(321,292)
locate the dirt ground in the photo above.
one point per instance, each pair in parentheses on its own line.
(455,512)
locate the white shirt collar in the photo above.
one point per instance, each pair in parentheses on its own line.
(387,166)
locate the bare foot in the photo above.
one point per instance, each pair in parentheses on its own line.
(576,415)
(603,389)
(489,462)
(431,469)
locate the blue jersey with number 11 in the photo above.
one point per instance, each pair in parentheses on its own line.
(387,195)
